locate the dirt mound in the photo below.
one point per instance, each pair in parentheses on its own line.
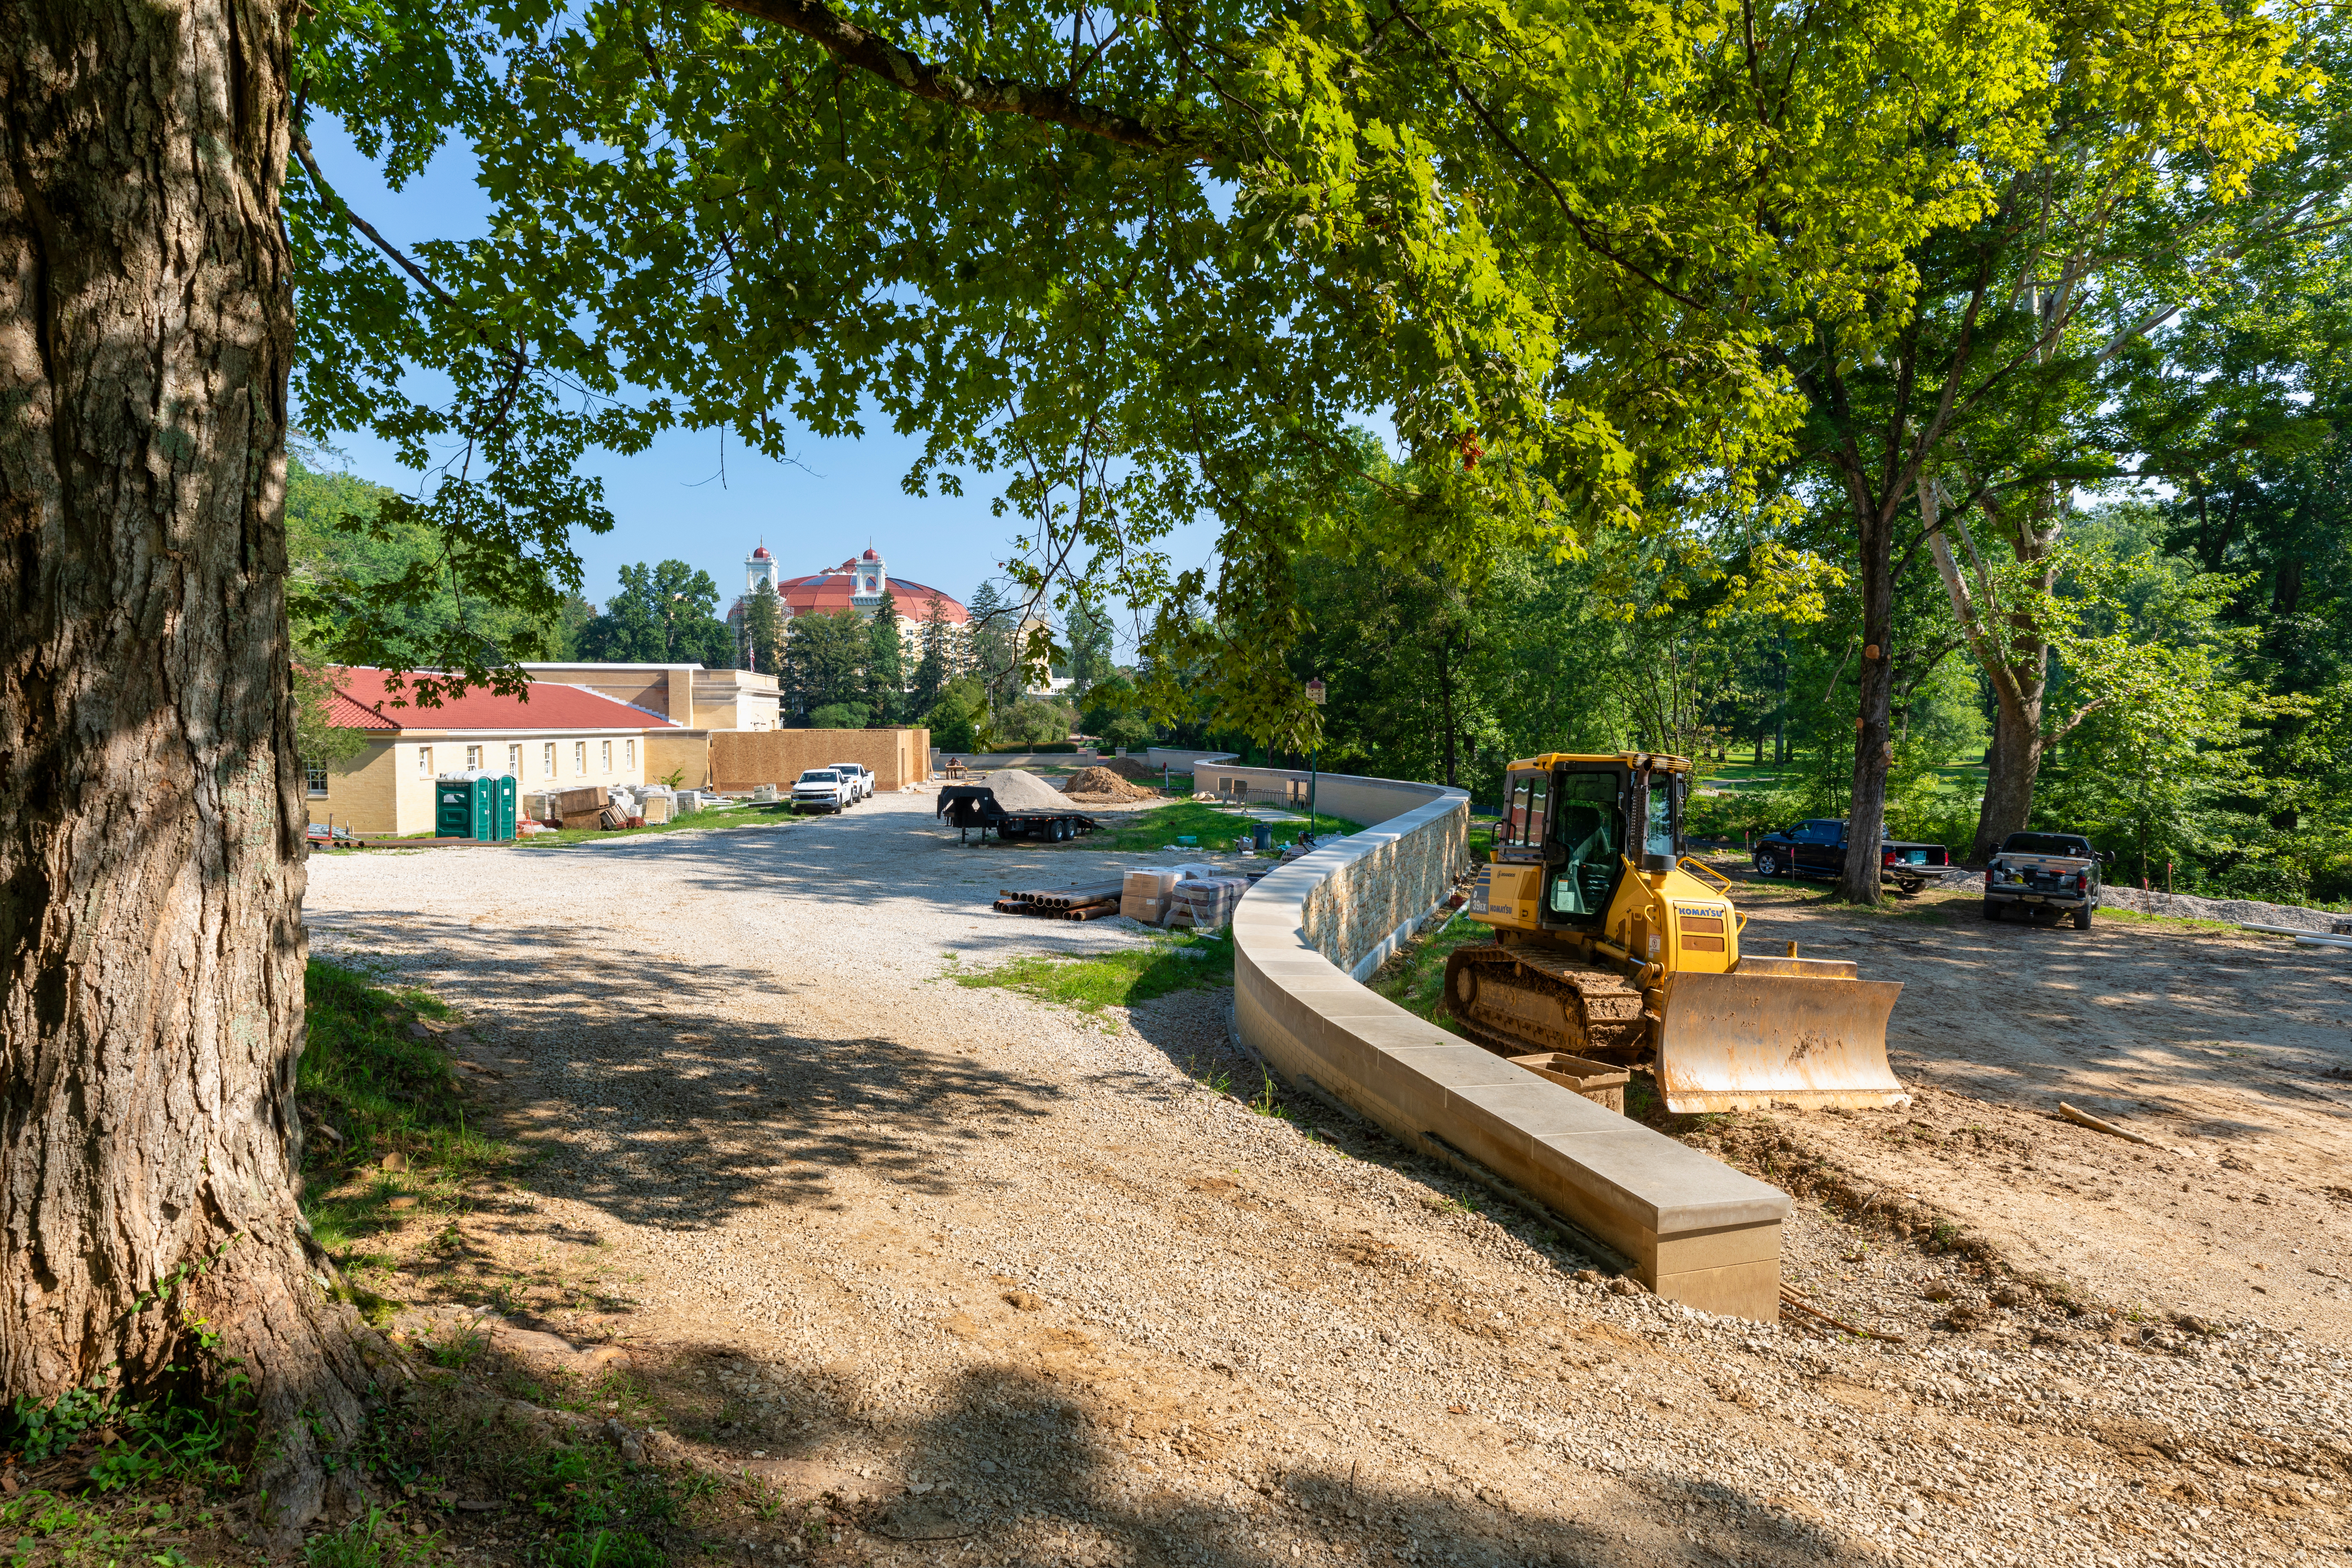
(1102,782)
(1132,768)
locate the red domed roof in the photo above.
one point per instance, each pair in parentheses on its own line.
(824,593)
(869,554)
(761,554)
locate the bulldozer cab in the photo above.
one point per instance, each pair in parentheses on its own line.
(1580,817)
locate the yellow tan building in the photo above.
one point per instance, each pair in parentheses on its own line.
(703,703)
(559,736)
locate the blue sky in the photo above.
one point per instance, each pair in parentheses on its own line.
(667,501)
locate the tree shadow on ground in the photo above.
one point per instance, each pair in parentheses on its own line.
(640,1093)
(1055,1458)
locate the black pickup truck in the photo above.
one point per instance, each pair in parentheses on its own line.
(1816,847)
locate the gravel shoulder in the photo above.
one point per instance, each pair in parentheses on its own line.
(1015,1284)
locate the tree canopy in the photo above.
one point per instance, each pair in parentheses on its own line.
(664,614)
(1130,261)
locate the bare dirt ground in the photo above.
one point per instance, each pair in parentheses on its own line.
(946,1275)
(2232,1050)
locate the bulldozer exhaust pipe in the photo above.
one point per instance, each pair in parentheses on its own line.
(1746,1041)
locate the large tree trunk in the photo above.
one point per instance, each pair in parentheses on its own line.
(1858,881)
(2017,766)
(2016,661)
(151,840)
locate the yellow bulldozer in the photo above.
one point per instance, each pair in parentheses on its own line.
(1611,947)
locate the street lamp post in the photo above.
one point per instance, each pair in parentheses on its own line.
(1315,690)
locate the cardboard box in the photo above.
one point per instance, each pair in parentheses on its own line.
(594,798)
(1138,907)
(1148,882)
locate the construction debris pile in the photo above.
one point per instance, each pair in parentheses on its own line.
(1198,896)
(1101,784)
(611,807)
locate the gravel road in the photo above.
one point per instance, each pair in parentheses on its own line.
(1017,1285)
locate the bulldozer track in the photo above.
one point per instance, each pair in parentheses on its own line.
(1522,1000)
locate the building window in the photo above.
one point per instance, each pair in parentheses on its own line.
(424,762)
(579,758)
(514,760)
(605,754)
(628,754)
(318,777)
(547,756)
(473,758)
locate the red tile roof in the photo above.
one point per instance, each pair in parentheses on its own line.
(345,713)
(363,700)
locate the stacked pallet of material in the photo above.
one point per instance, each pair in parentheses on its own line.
(1090,902)
(1206,904)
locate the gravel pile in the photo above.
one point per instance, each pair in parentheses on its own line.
(1037,1273)
(1019,790)
(2235,912)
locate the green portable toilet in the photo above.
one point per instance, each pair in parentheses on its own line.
(505,794)
(465,807)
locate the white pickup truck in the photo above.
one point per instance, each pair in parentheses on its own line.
(2035,871)
(823,789)
(861,780)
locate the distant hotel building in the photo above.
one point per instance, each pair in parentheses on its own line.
(855,585)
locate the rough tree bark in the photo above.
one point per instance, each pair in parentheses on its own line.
(151,840)
(2014,655)
(1858,879)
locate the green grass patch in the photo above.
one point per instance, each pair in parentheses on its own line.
(376,1084)
(2175,922)
(764,815)
(1214,827)
(1175,962)
(1416,979)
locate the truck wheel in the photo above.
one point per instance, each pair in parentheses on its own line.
(1992,911)
(2083,917)
(1768,864)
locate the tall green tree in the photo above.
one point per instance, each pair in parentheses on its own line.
(1087,640)
(663,615)
(764,628)
(826,661)
(2130,173)
(358,554)
(886,664)
(936,664)
(993,653)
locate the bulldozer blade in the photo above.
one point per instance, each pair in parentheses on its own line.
(1740,1042)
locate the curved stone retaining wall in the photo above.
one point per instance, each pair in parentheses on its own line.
(1697,1231)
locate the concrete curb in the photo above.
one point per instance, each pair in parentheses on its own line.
(1695,1230)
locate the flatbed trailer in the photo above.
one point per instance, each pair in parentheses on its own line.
(970,806)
